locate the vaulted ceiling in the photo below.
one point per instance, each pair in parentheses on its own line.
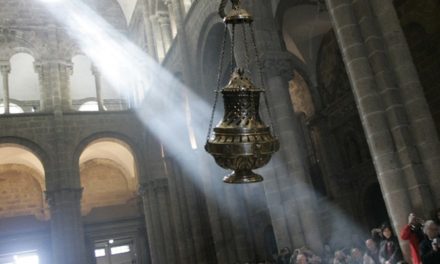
(128,8)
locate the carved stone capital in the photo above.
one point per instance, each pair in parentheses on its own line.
(163,18)
(158,184)
(63,196)
(5,67)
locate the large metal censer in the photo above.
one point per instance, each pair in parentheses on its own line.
(241,141)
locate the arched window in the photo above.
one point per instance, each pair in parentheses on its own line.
(82,81)
(13,109)
(89,106)
(23,84)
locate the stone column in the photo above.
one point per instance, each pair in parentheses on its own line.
(173,19)
(416,180)
(151,49)
(53,76)
(158,39)
(180,212)
(296,192)
(371,110)
(165,29)
(42,69)
(420,119)
(68,243)
(97,76)
(145,191)
(5,69)
(162,194)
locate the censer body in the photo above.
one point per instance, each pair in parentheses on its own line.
(241,141)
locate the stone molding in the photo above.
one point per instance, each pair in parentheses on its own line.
(61,196)
(158,184)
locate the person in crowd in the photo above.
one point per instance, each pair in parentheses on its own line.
(284,256)
(376,235)
(356,256)
(371,255)
(301,259)
(340,258)
(430,246)
(414,234)
(389,252)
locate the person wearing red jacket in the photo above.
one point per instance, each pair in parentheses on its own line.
(414,234)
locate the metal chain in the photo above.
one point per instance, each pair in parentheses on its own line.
(217,90)
(232,49)
(266,92)
(246,48)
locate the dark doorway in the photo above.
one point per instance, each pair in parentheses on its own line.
(374,205)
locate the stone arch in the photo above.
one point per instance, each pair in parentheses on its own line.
(22,182)
(108,171)
(121,138)
(105,183)
(210,55)
(301,25)
(17,42)
(211,33)
(30,146)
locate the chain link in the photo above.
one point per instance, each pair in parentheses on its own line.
(217,90)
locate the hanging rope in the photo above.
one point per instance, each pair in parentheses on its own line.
(221,8)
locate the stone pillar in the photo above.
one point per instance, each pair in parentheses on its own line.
(173,19)
(416,180)
(97,76)
(159,218)
(161,190)
(54,84)
(151,49)
(145,191)
(292,186)
(181,213)
(45,99)
(68,243)
(158,39)
(165,29)
(420,119)
(371,110)
(5,69)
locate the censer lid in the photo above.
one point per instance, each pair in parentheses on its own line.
(239,82)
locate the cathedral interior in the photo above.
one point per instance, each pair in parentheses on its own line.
(105,106)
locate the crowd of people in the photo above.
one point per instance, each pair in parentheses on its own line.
(381,248)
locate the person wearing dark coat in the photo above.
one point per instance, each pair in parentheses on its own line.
(430,246)
(389,252)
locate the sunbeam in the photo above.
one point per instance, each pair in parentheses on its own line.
(172,112)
